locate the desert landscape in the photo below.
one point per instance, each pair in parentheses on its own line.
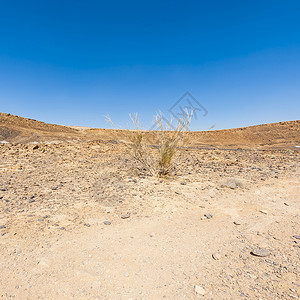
(79,220)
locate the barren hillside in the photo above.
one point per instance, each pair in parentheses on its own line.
(15,129)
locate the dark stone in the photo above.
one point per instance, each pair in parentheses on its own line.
(208,216)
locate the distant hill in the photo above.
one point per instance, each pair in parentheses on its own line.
(286,135)
(16,129)
(273,135)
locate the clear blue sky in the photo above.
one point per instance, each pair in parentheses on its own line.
(72,62)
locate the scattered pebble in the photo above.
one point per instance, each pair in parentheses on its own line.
(260,252)
(237,222)
(232,183)
(199,290)
(107,223)
(296,237)
(87,224)
(2,226)
(263,211)
(216,256)
(183,183)
(126,216)
(208,216)
(285,203)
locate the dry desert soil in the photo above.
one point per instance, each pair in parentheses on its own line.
(78,220)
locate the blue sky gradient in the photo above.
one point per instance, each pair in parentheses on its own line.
(72,62)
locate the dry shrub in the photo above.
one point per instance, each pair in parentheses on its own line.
(155,150)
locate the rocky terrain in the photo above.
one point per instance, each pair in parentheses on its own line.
(78,221)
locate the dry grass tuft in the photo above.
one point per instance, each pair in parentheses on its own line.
(155,150)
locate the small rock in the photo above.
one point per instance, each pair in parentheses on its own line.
(260,252)
(216,256)
(297,237)
(263,211)
(107,223)
(126,216)
(35,147)
(237,222)
(208,216)
(231,185)
(3,189)
(183,183)
(31,200)
(2,226)
(285,203)
(199,290)
(87,224)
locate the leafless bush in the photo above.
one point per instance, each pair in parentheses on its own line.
(155,150)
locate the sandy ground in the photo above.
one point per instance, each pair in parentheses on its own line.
(77,221)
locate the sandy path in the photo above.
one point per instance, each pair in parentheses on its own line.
(165,254)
